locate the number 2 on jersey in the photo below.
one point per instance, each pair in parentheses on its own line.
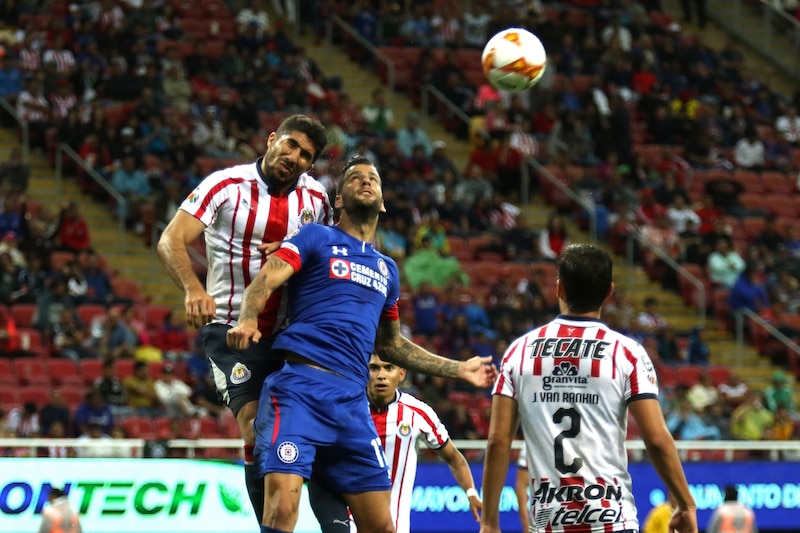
(571,432)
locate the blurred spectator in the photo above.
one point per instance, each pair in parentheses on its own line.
(668,351)
(699,350)
(749,290)
(390,238)
(553,237)
(172,338)
(685,424)
(14,174)
(141,391)
(254,15)
(132,183)
(10,288)
(23,422)
(662,237)
(378,116)
(112,390)
(93,411)
(77,287)
(476,24)
(205,396)
(412,135)
(426,306)
(749,151)
(98,282)
(751,419)
(649,319)
(48,310)
(702,394)
(725,265)
(54,411)
(95,433)
(70,338)
(717,416)
(115,339)
(9,338)
(177,89)
(58,430)
(724,191)
(210,138)
(34,107)
(780,394)
(459,423)
(788,125)
(427,264)
(733,392)
(175,395)
(10,77)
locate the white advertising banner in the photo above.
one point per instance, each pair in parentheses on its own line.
(134,495)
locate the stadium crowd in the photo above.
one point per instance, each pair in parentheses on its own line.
(666,136)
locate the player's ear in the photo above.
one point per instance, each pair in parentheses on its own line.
(337,202)
(610,293)
(383,207)
(271,139)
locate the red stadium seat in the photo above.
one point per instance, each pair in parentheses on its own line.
(73,395)
(127,288)
(777,182)
(8,376)
(718,374)
(63,372)
(31,371)
(154,315)
(689,375)
(59,259)
(780,205)
(91,369)
(23,314)
(38,394)
(139,427)
(123,368)
(88,312)
(9,397)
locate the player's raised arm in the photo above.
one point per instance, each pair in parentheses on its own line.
(390,345)
(182,230)
(272,275)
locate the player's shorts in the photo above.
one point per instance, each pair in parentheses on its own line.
(307,416)
(238,374)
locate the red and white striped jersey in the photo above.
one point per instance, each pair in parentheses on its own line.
(240,214)
(573,379)
(400,426)
(64,60)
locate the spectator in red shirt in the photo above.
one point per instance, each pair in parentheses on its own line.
(172,339)
(73,231)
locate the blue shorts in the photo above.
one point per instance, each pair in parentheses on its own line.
(309,417)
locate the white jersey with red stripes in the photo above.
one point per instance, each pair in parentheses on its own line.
(240,214)
(402,424)
(572,380)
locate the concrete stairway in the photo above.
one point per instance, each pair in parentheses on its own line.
(126,253)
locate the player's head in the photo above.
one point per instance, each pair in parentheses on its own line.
(292,149)
(384,377)
(359,190)
(584,278)
(55,493)
(731,493)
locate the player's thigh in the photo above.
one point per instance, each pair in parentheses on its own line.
(371,511)
(238,374)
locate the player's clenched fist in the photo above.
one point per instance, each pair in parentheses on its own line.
(242,335)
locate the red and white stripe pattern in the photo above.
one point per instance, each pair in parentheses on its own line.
(240,214)
(32,115)
(30,59)
(404,422)
(64,60)
(572,380)
(61,104)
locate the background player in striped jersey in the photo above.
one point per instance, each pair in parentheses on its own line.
(314,410)
(570,383)
(401,421)
(240,208)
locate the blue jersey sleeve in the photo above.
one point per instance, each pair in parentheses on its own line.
(301,245)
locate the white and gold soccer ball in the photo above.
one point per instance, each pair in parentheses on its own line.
(514,60)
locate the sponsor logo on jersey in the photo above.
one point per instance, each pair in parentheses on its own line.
(287,452)
(193,197)
(340,269)
(556,504)
(404,429)
(292,234)
(565,368)
(306,216)
(240,374)
(337,250)
(564,374)
(383,268)
(568,347)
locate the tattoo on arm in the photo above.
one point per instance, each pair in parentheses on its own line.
(392,346)
(258,292)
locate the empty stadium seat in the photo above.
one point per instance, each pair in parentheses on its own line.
(154,316)
(23,314)
(91,369)
(777,182)
(8,375)
(139,427)
(63,372)
(31,371)
(718,374)
(9,397)
(123,368)
(689,375)
(74,395)
(38,394)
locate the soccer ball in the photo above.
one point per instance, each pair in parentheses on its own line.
(514,60)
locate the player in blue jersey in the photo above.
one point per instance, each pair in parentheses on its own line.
(343,303)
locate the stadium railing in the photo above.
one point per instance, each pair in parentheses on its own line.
(635,238)
(122,205)
(23,127)
(775,450)
(765,37)
(757,321)
(586,204)
(368,46)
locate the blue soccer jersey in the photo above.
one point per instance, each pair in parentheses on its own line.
(342,288)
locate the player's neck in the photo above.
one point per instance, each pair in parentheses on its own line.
(381,404)
(361,229)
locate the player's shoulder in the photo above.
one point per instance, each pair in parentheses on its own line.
(415,403)
(308,181)
(231,176)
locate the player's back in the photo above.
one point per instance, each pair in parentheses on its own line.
(572,380)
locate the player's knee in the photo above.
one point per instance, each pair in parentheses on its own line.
(282,510)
